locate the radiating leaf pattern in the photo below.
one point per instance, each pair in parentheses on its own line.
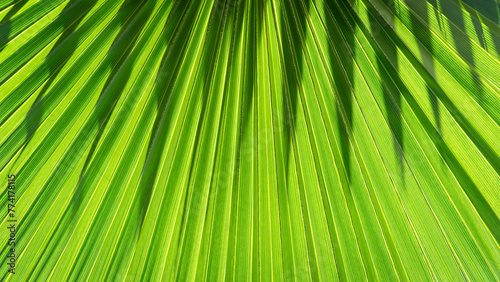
(243,140)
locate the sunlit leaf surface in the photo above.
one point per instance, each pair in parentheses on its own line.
(241,140)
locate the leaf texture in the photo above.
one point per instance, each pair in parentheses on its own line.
(245,140)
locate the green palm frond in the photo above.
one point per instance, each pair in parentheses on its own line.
(250,140)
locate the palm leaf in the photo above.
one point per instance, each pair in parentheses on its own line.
(250,140)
